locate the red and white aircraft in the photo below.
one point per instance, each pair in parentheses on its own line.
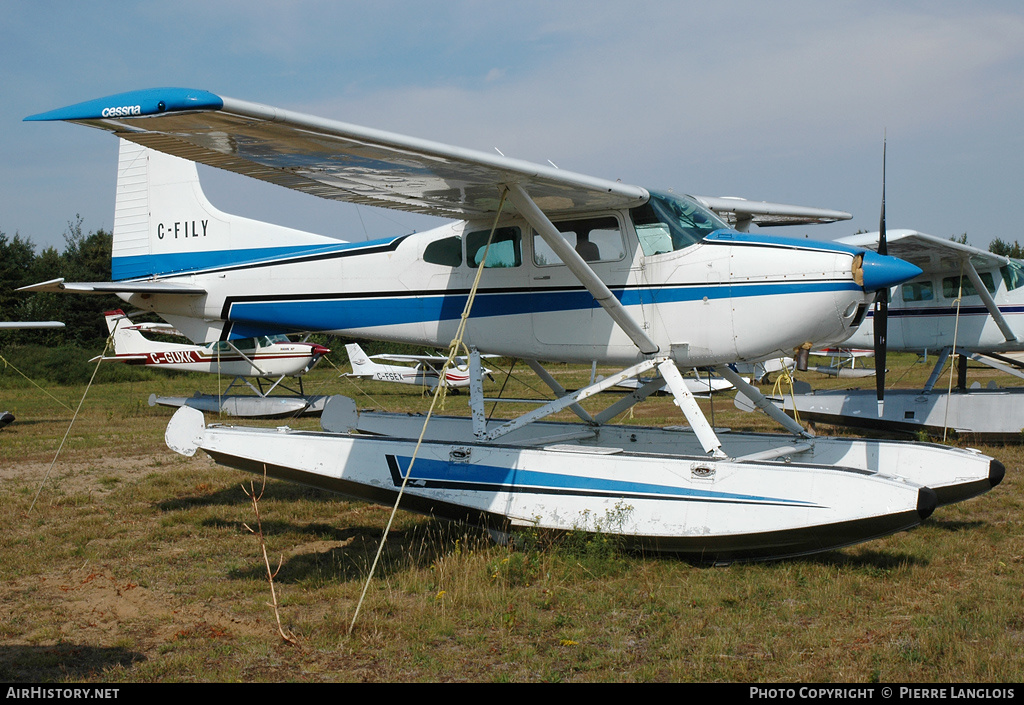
(265,356)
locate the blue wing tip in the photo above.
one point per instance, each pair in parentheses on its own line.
(147,102)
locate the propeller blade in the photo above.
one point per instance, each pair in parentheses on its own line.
(881,322)
(881,325)
(883,248)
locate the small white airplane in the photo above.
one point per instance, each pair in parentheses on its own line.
(571,268)
(274,357)
(267,357)
(843,362)
(923,312)
(700,384)
(427,371)
(966,300)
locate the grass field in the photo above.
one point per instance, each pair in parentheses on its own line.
(123,562)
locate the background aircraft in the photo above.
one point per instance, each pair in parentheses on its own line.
(923,312)
(843,362)
(425,373)
(266,357)
(966,300)
(269,357)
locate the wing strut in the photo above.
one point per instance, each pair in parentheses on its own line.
(759,400)
(578,266)
(669,373)
(990,303)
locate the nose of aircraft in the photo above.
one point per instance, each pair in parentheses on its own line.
(882,271)
(320,349)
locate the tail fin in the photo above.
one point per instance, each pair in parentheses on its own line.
(127,340)
(164,224)
(361,364)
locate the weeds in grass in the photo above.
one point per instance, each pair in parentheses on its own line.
(271,574)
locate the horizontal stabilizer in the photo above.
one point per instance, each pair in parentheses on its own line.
(147,287)
(120,358)
(15,325)
(431,359)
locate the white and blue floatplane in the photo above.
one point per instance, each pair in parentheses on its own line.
(558,266)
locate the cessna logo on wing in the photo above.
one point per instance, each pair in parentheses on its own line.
(121,110)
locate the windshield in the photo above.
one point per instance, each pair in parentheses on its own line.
(668,222)
(1013,275)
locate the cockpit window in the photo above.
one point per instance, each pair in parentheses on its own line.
(230,347)
(668,222)
(505,250)
(1013,275)
(955,286)
(918,291)
(447,251)
(594,239)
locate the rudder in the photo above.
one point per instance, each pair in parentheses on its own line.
(127,340)
(361,364)
(164,224)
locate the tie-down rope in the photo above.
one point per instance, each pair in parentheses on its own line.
(439,391)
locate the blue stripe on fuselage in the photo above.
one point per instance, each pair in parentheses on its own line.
(398,308)
(138,266)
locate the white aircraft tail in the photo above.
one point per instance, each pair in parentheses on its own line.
(164,224)
(361,363)
(128,340)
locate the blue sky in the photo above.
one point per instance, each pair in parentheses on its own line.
(785,101)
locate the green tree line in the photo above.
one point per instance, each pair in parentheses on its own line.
(1001,247)
(62,355)
(86,257)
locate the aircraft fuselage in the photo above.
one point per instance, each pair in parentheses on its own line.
(924,315)
(727,297)
(271,360)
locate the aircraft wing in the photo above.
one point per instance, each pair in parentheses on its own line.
(933,254)
(928,252)
(387,357)
(144,287)
(16,325)
(347,162)
(741,212)
(337,160)
(432,359)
